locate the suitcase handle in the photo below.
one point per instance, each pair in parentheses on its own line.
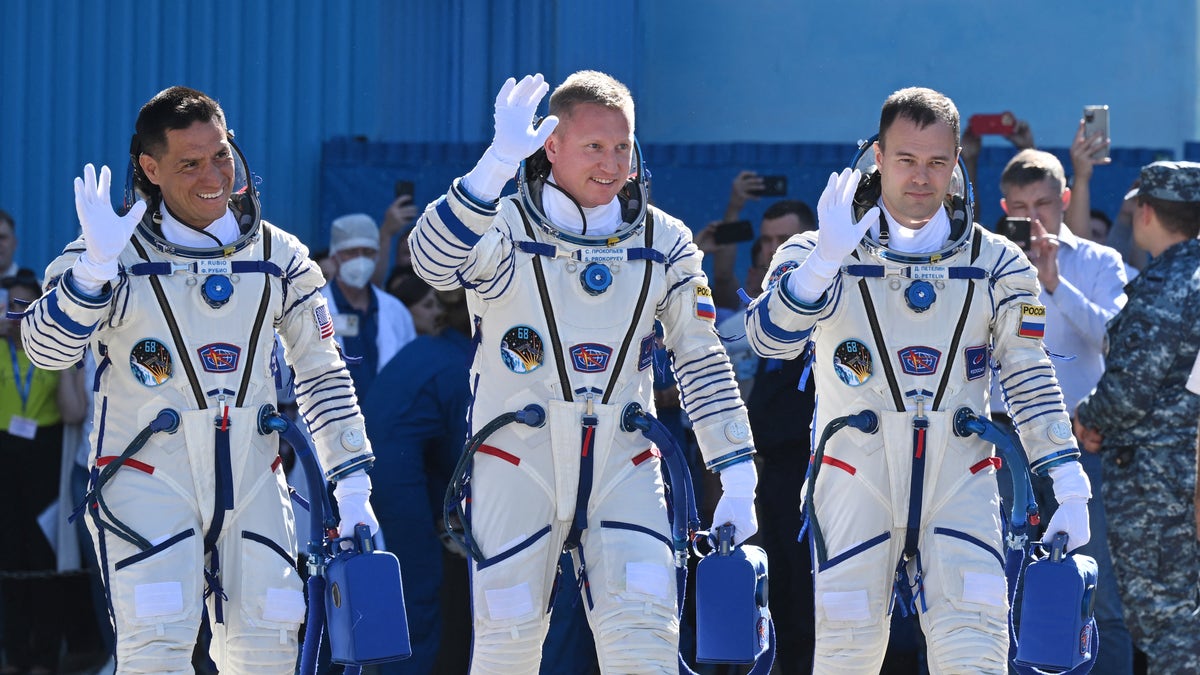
(709,542)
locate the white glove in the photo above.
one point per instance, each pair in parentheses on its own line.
(837,236)
(353,493)
(104,232)
(1072,491)
(516,104)
(737,501)
(515,137)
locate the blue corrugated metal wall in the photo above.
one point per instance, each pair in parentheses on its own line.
(293,74)
(76,72)
(289,73)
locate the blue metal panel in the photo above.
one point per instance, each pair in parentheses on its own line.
(292,74)
(288,75)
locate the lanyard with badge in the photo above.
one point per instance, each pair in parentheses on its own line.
(19,426)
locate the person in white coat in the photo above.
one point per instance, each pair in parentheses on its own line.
(370,324)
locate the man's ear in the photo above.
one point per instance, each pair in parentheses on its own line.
(149,167)
(1066,197)
(1004,205)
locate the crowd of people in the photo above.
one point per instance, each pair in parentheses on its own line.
(571,307)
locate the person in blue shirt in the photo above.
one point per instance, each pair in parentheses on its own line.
(417,412)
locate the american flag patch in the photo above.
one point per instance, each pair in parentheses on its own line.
(324,321)
(1033,321)
(705,309)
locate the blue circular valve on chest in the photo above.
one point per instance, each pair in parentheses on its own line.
(216,290)
(596,278)
(920,295)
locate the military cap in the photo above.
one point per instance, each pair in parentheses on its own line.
(1169,181)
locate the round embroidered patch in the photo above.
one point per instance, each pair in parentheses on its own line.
(737,432)
(353,440)
(521,349)
(1060,432)
(852,362)
(150,361)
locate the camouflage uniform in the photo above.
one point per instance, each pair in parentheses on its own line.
(1149,423)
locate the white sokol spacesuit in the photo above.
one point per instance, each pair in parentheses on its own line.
(566,321)
(191,330)
(908,513)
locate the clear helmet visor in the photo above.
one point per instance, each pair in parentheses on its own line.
(959,203)
(634,197)
(243,198)
(244,192)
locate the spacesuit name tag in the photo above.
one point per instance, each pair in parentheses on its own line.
(928,272)
(602,255)
(206,267)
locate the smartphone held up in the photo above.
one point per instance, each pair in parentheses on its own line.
(1017,230)
(1000,124)
(733,232)
(1095,121)
(773,186)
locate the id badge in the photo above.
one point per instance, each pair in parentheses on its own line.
(22,427)
(346,325)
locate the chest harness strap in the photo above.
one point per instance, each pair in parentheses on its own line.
(588,420)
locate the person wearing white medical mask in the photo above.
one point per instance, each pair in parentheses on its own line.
(370,325)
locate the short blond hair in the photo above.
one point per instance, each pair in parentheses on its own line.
(591,86)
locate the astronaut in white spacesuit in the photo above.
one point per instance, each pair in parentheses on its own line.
(565,281)
(179,300)
(902,322)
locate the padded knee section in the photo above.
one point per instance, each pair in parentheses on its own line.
(148,651)
(257,653)
(846,650)
(967,642)
(508,647)
(637,637)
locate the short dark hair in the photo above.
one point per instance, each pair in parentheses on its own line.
(6,217)
(24,278)
(1179,217)
(411,288)
(783,207)
(1102,217)
(172,108)
(923,107)
(1031,166)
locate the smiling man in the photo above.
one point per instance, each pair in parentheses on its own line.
(179,300)
(902,300)
(565,282)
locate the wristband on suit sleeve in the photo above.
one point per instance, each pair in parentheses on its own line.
(794,303)
(348,467)
(729,459)
(1043,465)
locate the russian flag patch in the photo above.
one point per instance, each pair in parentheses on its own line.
(1033,321)
(705,309)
